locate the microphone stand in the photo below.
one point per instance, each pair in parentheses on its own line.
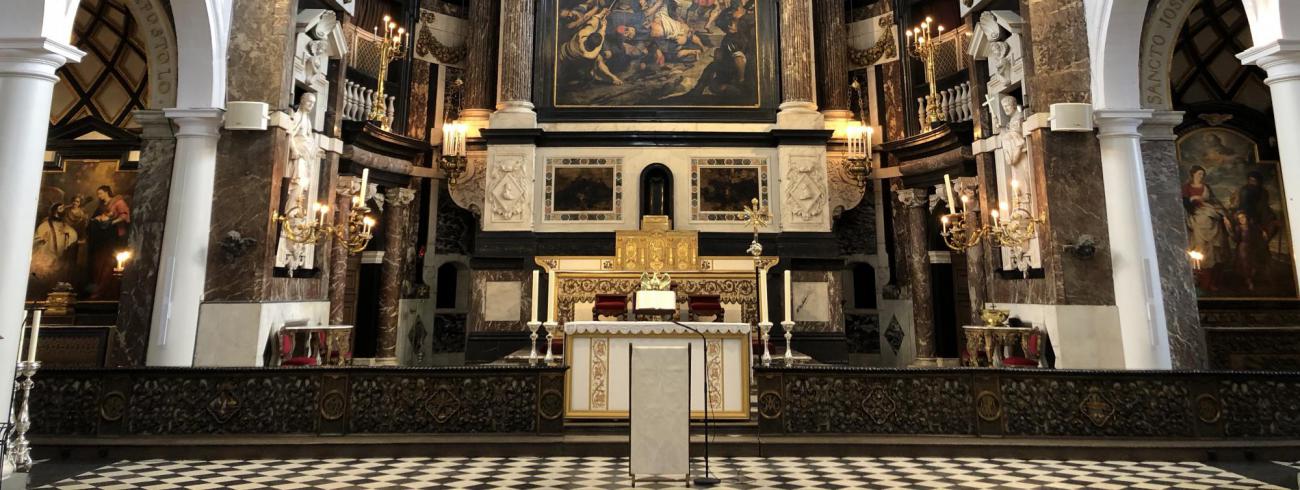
(706,480)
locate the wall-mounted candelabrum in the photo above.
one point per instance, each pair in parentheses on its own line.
(307,225)
(1008,226)
(923,44)
(391,46)
(453,160)
(859,137)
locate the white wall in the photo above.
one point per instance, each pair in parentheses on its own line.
(1082,336)
(236,334)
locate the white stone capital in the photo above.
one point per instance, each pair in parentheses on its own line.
(1280,58)
(36,57)
(205,122)
(1160,127)
(1112,123)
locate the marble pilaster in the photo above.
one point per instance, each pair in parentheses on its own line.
(398,203)
(148,215)
(831,38)
(477,98)
(976,268)
(515,95)
(798,90)
(346,187)
(1168,219)
(1057,67)
(916,214)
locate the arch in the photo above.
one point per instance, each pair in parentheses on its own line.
(1114,31)
(203,31)
(656,172)
(1160,33)
(160,44)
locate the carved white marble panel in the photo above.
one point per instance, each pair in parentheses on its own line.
(660,411)
(509,188)
(805,202)
(810,301)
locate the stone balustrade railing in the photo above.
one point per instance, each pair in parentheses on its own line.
(358,100)
(954,103)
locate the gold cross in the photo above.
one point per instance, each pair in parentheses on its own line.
(754,216)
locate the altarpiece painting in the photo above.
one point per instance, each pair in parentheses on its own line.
(1235,216)
(83,221)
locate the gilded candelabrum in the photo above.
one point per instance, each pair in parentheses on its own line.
(356,233)
(1008,227)
(923,44)
(859,135)
(758,217)
(303,224)
(391,46)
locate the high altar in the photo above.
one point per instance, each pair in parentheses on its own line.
(597,350)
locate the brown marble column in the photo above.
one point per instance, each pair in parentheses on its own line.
(478,97)
(397,204)
(148,215)
(515,94)
(1177,281)
(345,188)
(798,93)
(976,271)
(831,39)
(916,252)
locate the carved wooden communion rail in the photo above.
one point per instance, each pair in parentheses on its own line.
(1154,405)
(301,401)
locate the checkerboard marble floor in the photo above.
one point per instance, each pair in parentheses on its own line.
(607,472)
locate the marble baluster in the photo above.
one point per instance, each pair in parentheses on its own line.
(798,89)
(1168,219)
(480,76)
(916,216)
(514,97)
(832,56)
(148,214)
(398,203)
(345,189)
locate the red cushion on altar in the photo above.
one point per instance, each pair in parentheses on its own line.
(299,361)
(706,301)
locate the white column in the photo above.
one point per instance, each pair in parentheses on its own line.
(1281,59)
(184,258)
(1134,266)
(27,78)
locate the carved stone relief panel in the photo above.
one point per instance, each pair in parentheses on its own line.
(805,196)
(509,188)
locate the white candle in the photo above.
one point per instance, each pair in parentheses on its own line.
(947,185)
(536,281)
(550,297)
(21,326)
(789,313)
(365,179)
(871,131)
(762,297)
(36,331)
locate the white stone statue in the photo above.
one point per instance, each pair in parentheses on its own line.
(304,150)
(1012,134)
(997,41)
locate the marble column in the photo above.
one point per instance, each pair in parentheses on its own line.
(148,214)
(480,76)
(397,205)
(976,273)
(515,96)
(27,78)
(832,54)
(1134,263)
(1177,281)
(346,187)
(798,93)
(1281,59)
(916,215)
(183,268)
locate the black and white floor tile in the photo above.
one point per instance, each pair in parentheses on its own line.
(606,473)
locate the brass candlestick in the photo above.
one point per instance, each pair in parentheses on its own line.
(392,46)
(923,44)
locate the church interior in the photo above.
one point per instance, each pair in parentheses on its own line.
(591,243)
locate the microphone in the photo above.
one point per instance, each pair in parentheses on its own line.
(707,479)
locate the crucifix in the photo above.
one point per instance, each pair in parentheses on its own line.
(756,217)
(991,101)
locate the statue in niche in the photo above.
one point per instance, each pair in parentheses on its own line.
(1012,134)
(304,151)
(999,52)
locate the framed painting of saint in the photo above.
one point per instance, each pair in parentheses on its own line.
(1236,219)
(722,187)
(583,189)
(656,60)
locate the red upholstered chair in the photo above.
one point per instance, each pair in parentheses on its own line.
(614,305)
(287,357)
(1032,350)
(705,305)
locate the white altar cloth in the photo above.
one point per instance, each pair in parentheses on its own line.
(598,379)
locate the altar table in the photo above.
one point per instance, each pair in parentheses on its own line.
(598,378)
